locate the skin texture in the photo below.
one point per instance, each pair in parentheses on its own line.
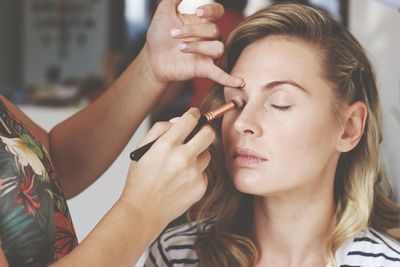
(282,122)
(120,111)
(170,168)
(284,145)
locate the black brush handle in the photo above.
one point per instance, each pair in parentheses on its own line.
(138,153)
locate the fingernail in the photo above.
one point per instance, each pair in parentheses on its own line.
(243,84)
(175,32)
(182,46)
(200,12)
(175,119)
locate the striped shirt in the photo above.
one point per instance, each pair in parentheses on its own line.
(175,247)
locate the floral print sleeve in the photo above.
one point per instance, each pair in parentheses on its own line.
(35,224)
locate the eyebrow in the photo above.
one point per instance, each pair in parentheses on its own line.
(273,84)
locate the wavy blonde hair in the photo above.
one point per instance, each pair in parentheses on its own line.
(363,196)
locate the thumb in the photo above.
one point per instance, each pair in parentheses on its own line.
(171,4)
(177,2)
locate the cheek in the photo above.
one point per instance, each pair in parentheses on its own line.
(320,133)
(307,144)
(306,128)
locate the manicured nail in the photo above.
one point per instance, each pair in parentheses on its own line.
(200,12)
(175,32)
(182,46)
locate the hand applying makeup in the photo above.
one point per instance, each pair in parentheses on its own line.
(171,173)
(235,103)
(194,35)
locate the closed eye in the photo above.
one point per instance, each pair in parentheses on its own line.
(281,108)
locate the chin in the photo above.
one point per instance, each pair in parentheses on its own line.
(258,185)
(249,184)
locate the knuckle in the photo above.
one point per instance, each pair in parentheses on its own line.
(194,113)
(158,125)
(208,9)
(207,156)
(199,193)
(219,8)
(164,146)
(219,49)
(210,133)
(179,161)
(199,196)
(204,183)
(196,46)
(186,30)
(193,173)
(214,30)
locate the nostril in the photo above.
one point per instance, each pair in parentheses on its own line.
(248,131)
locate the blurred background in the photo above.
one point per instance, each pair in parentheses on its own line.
(56,56)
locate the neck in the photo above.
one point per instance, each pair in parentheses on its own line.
(294,227)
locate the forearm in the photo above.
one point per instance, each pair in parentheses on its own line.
(120,238)
(159,188)
(85,145)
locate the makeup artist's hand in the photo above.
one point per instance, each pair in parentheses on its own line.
(170,177)
(184,46)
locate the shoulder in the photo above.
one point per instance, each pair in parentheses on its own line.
(175,246)
(369,248)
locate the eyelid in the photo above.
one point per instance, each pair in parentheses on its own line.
(280,96)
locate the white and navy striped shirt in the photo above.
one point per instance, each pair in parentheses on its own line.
(175,247)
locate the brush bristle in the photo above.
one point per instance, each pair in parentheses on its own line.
(238,103)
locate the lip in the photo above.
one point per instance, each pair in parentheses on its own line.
(247,158)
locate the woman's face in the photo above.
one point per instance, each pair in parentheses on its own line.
(285,136)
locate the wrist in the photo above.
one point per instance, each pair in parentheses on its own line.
(142,214)
(145,60)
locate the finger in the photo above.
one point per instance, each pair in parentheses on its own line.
(211,12)
(205,181)
(155,132)
(183,127)
(204,160)
(218,75)
(201,141)
(171,4)
(203,30)
(213,49)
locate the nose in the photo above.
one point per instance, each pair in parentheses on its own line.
(248,123)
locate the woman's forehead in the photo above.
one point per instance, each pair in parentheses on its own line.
(277,58)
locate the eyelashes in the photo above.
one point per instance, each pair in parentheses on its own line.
(243,100)
(281,108)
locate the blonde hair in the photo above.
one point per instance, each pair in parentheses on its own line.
(363,196)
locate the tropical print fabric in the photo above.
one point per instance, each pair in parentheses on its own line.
(35,224)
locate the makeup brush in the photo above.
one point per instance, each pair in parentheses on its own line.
(204,118)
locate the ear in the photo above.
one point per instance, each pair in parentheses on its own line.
(353,126)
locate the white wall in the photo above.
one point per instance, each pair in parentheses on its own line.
(377,27)
(38,57)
